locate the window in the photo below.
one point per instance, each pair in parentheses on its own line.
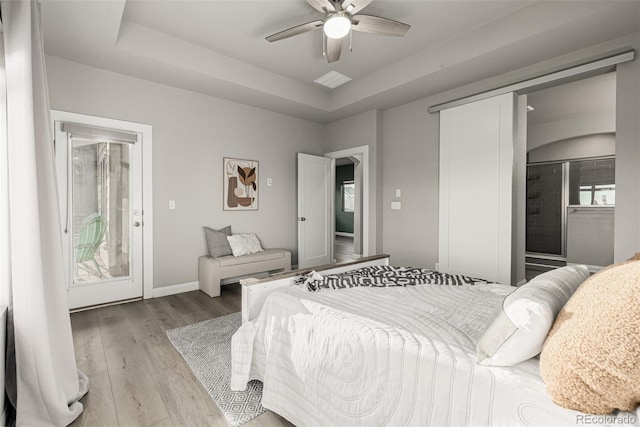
(348,196)
(592,182)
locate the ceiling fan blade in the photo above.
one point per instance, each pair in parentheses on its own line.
(294,31)
(355,6)
(334,49)
(377,25)
(322,5)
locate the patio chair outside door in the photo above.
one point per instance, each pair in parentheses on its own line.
(90,238)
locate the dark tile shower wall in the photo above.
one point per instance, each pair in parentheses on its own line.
(544,208)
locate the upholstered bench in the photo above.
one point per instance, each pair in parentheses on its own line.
(211,270)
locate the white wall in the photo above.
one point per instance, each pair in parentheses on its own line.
(546,133)
(627,215)
(410,161)
(191,134)
(599,145)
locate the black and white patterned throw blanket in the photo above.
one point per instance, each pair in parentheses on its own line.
(383,276)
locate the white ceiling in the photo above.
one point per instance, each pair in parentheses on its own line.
(218,47)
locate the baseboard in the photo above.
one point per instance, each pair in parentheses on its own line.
(165,291)
(344,234)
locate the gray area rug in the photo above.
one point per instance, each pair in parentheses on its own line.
(206,347)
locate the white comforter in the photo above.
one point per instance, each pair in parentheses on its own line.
(389,356)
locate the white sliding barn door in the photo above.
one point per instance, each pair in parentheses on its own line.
(479,213)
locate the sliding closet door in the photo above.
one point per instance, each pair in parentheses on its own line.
(478,193)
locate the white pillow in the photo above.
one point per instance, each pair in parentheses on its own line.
(526,316)
(244,244)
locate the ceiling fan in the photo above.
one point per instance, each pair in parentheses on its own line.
(339,20)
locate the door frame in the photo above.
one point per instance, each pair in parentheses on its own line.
(362,153)
(147,181)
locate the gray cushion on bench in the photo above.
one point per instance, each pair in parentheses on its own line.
(265,255)
(217,243)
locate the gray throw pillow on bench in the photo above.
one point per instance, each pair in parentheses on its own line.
(217,243)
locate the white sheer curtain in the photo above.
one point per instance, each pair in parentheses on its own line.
(42,378)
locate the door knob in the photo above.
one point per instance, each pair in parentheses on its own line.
(136,224)
(302,218)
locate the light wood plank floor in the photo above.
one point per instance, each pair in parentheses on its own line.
(343,249)
(137,377)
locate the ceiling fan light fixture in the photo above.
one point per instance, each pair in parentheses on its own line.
(337,26)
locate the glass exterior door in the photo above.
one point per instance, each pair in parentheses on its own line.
(100,187)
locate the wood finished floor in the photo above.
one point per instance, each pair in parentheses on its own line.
(137,378)
(343,249)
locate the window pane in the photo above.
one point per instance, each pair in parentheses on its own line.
(592,182)
(101,214)
(348,196)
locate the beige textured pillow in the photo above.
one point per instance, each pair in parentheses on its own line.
(591,359)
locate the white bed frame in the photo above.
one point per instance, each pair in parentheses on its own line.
(255,291)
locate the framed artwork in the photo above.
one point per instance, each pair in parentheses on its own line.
(240,184)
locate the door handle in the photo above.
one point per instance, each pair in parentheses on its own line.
(136,224)
(301,218)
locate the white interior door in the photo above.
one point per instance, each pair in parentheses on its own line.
(479,189)
(315,210)
(100,187)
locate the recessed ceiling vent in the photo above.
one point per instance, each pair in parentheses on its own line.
(332,79)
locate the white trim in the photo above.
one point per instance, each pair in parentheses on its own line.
(539,81)
(165,291)
(147,212)
(364,151)
(147,182)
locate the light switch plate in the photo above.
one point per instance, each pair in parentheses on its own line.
(398,192)
(269,182)
(172,204)
(396,205)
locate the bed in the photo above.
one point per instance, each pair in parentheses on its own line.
(398,356)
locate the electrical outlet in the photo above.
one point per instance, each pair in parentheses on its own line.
(398,192)
(269,182)
(172,204)
(396,205)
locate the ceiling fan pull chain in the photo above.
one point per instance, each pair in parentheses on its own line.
(350,40)
(324,45)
